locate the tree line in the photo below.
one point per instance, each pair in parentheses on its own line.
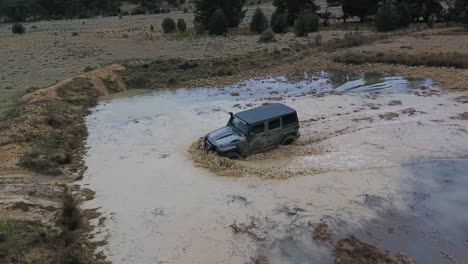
(233,11)
(21,10)
(416,9)
(304,15)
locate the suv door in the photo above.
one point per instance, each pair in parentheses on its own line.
(274,132)
(257,138)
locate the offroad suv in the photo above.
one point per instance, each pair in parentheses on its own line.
(255,130)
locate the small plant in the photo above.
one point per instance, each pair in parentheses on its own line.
(168,25)
(181,25)
(18,28)
(306,22)
(318,39)
(218,23)
(387,18)
(71,215)
(279,22)
(259,21)
(267,36)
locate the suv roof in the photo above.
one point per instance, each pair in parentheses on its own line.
(265,112)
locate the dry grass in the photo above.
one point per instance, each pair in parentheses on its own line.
(353,39)
(448,59)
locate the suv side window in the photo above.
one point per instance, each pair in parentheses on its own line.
(274,124)
(289,120)
(258,128)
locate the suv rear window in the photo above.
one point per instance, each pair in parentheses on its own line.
(274,124)
(259,128)
(289,120)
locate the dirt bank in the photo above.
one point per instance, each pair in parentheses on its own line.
(45,134)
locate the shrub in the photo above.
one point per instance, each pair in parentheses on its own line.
(267,36)
(181,25)
(404,14)
(305,23)
(168,25)
(259,21)
(18,28)
(218,23)
(199,28)
(279,22)
(71,216)
(318,39)
(387,17)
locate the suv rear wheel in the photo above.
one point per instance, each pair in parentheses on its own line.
(233,155)
(288,140)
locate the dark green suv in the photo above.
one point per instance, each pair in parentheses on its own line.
(255,130)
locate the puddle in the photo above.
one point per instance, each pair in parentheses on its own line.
(321,83)
(163,209)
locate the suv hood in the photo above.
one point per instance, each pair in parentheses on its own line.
(224,136)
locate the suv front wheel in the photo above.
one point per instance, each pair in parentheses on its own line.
(288,140)
(234,155)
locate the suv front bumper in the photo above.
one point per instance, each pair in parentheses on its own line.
(207,145)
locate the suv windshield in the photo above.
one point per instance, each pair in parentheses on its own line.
(239,125)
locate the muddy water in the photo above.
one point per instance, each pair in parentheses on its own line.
(160,208)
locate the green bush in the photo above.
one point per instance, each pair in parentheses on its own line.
(181,25)
(387,18)
(404,14)
(305,23)
(279,22)
(259,21)
(218,23)
(168,25)
(18,28)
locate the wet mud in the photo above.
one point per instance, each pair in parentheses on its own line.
(164,200)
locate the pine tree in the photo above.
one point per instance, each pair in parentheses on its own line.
(404,14)
(305,23)
(259,21)
(279,22)
(387,17)
(232,10)
(293,8)
(218,23)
